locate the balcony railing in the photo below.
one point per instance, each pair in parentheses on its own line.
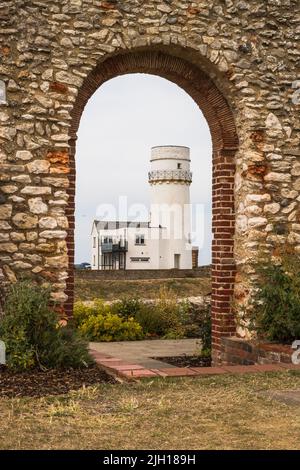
(170,175)
(114,247)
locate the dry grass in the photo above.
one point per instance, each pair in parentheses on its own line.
(226,412)
(89,289)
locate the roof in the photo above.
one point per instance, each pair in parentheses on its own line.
(162,146)
(116,224)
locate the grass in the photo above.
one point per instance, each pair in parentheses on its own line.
(225,412)
(88,289)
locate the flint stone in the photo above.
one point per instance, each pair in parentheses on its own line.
(25,221)
(37,206)
(53,234)
(38,166)
(48,223)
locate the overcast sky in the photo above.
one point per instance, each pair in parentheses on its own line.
(121,122)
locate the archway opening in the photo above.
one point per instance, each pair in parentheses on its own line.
(122,121)
(225,144)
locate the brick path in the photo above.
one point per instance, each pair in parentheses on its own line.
(132,360)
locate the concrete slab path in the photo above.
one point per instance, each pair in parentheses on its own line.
(142,352)
(290,397)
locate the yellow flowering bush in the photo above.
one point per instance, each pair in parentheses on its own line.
(110,327)
(83,311)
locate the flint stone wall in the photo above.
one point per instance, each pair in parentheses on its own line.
(51,56)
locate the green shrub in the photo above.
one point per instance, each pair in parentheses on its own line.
(205,333)
(173,312)
(127,307)
(200,325)
(191,330)
(274,311)
(151,320)
(33,335)
(168,317)
(150,316)
(111,327)
(175,333)
(164,317)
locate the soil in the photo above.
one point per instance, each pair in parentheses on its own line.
(186,361)
(36,383)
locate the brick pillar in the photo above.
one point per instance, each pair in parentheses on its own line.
(68,306)
(223,264)
(195,254)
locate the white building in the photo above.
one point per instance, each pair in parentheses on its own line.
(164,241)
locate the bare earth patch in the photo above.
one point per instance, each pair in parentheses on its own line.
(186,361)
(36,383)
(220,412)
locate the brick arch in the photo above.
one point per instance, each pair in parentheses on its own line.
(220,119)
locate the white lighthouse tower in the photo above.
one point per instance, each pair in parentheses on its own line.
(163,241)
(170,180)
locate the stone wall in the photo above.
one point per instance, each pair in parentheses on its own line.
(238,60)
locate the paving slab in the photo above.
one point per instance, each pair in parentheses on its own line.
(142,352)
(290,397)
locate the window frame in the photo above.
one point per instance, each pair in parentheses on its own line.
(140,240)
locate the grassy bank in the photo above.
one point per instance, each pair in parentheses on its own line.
(88,289)
(228,412)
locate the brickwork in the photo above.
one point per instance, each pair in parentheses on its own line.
(129,371)
(240,351)
(195,258)
(238,60)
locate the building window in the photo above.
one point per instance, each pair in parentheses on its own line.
(140,239)
(178,166)
(2,92)
(94,260)
(137,259)
(94,242)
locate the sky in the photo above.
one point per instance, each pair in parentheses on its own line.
(124,118)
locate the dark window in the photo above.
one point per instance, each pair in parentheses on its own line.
(140,239)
